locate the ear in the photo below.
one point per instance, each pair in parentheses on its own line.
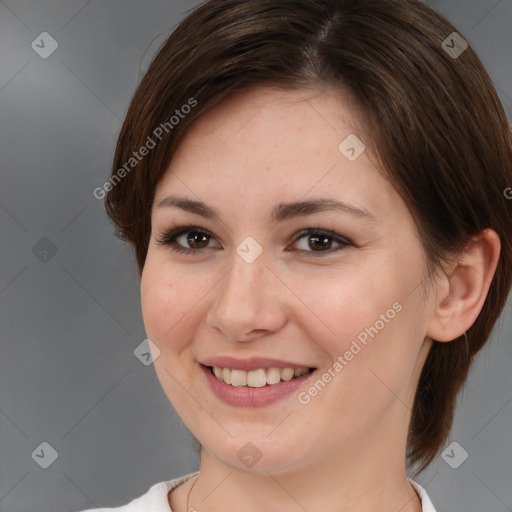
(461,293)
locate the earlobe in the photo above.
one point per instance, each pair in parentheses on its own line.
(463,290)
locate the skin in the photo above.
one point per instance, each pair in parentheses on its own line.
(345,449)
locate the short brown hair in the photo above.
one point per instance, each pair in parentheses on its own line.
(433,119)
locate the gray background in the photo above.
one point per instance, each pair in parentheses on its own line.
(69,297)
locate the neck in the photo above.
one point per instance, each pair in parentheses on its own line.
(356,480)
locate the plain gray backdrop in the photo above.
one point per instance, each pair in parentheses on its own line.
(69,294)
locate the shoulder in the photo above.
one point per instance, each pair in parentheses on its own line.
(426,504)
(154,499)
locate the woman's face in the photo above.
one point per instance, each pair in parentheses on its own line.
(348,301)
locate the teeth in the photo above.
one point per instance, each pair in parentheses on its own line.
(273,376)
(257,378)
(238,377)
(287,373)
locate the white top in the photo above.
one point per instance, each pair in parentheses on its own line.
(155,499)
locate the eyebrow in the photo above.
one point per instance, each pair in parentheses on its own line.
(281,212)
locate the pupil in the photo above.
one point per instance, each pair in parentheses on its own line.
(192,239)
(317,238)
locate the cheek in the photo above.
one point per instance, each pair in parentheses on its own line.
(165,300)
(373,349)
(364,311)
(339,305)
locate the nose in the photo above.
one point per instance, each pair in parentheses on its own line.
(248,302)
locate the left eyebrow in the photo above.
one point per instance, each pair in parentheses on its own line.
(281,212)
(284,211)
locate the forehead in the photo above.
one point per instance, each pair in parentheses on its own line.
(266,142)
(263,110)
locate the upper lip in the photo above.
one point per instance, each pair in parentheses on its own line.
(251,363)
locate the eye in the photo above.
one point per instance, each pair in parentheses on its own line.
(317,238)
(190,234)
(198,239)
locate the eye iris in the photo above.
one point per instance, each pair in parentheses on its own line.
(193,236)
(323,241)
(320,238)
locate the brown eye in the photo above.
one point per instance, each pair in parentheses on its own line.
(192,239)
(192,236)
(320,242)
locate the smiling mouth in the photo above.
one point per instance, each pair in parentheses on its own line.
(258,378)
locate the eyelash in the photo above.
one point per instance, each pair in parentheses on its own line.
(167,239)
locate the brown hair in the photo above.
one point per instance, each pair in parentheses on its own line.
(433,118)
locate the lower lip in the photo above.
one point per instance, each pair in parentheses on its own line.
(252,397)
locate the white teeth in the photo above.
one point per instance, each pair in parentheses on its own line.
(257,378)
(226,375)
(238,377)
(273,376)
(287,373)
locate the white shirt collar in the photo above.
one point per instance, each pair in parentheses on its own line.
(426,504)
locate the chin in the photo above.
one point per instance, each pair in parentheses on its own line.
(257,454)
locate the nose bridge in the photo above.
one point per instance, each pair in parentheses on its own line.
(245,301)
(245,282)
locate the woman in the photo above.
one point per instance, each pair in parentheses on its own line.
(314,191)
